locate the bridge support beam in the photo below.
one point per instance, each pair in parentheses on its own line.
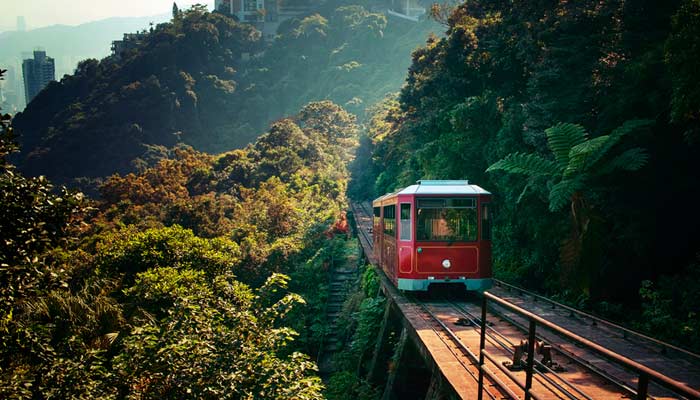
(398,358)
(435,390)
(380,350)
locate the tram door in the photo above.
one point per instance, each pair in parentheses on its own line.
(405,238)
(377,232)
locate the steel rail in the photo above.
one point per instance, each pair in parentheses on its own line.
(507,347)
(466,351)
(625,331)
(364,234)
(577,359)
(645,373)
(508,373)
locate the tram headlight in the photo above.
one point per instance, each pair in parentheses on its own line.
(446,264)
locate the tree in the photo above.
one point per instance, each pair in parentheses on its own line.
(579,161)
(176,11)
(34,219)
(219,339)
(682,48)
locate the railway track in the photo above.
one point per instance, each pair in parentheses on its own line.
(496,387)
(682,365)
(582,373)
(546,383)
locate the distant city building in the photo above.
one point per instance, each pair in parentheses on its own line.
(250,11)
(37,72)
(11,98)
(265,15)
(129,42)
(407,9)
(21,24)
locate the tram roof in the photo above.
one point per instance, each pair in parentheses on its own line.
(438,187)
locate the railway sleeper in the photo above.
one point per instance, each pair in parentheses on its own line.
(471,322)
(541,348)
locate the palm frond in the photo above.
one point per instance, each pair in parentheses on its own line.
(580,154)
(630,126)
(630,160)
(561,193)
(561,138)
(528,164)
(618,133)
(522,194)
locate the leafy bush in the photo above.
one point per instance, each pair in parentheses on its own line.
(130,251)
(218,340)
(362,316)
(671,308)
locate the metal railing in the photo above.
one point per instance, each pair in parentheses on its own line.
(626,332)
(644,373)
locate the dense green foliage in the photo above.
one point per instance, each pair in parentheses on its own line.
(579,162)
(209,82)
(359,325)
(671,307)
(34,220)
(176,283)
(506,74)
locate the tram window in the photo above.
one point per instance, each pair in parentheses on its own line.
(390,220)
(447,220)
(377,215)
(405,221)
(431,203)
(468,202)
(486,218)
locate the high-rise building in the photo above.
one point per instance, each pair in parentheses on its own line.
(250,11)
(12,87)
(131,41)
(21,24)
(38,72)
(265,15)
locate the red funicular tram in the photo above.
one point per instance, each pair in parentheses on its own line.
(434,232)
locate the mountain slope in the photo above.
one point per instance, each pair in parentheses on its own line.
(190,83)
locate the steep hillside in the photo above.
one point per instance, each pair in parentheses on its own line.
(96,122)
(172,284)
(191,82)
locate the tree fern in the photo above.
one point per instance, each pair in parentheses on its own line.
(630,126)
(561,138)
(570,253)
(580,155)
(560,194)
(576,158)
(528,164)
(522,194)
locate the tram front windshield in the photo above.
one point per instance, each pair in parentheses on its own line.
(447,220)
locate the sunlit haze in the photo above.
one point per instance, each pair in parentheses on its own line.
(39,13)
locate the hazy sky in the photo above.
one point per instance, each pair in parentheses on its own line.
(40,13)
